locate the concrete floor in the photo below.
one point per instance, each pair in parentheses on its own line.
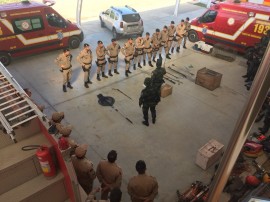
(186,120)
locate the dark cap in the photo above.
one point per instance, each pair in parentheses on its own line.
(65,50)
(130,38)
(100,42)
(157,30)
(147,33)
(172,22)
(113,39)
(165,27)
(182,20)
(86,45)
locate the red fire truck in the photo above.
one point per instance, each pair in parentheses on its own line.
(32,27)
(237,25)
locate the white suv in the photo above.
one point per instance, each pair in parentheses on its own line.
(122,21)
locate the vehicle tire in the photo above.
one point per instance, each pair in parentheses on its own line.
(248,51)
(115,34)
(193,36)
(101,23)
(5,59)
(74,42)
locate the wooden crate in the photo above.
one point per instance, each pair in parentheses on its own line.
(209,154)
(208,78)
(166,90)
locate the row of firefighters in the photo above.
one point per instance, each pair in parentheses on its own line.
(169,38)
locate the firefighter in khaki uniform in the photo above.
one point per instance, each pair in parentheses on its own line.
(147,49)
(64,63)
(85,59)
(164,41)
(84,168)
(143,187)
(156,40)
(180,31)
(101,60)
(171,32)
(128,52)
(109,174)
(112,51)
(65,131)
(139,45)
(187,28)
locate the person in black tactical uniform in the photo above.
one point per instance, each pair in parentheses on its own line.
(149,98)
(157,75)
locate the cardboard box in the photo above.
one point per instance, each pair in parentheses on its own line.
(208,78)
(166,90)
(209,154)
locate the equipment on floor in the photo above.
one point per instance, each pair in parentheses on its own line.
(109,101)
(252,149)
(208,78)
(122,92)
(183,75)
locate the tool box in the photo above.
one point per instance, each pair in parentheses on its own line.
(208,78)
(166,90)
(209,154)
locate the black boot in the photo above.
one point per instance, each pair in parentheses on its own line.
(145,123)
(69,85)
(103,75)
(115,71)
(169,53)
(167,56)
(150,64)
(88,81)
(154,59)
(134,66)
(139,65)
(126,73)
(98,77)
(110,73)
(184,47)
(172,50)
(153,120)
(64,88)
(160,56)
(144,63)
(178,49)
(86,85)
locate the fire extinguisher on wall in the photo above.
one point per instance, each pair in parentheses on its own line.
(45,159)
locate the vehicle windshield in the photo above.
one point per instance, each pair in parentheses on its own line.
(131,17)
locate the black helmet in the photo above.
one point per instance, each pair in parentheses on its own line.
(147,81)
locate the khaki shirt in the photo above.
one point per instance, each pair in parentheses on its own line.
(84,169)
(180,30)
(164,37)
(147,45)
(113,50)
(64,62)
(139,43)
(101,52)
(109,173)
(171,32)
(142,187)
(128,49)
(156,39)
(187,25)
(85,58)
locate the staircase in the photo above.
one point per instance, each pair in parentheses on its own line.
(21,178)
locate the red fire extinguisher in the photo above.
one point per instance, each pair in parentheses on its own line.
(45,160)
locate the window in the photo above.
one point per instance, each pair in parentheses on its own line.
(116,16)
(55,21)
(112,15)
(131,18)
(209,16)
(28,24)
(107,12)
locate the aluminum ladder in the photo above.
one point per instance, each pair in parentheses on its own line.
(16,108)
